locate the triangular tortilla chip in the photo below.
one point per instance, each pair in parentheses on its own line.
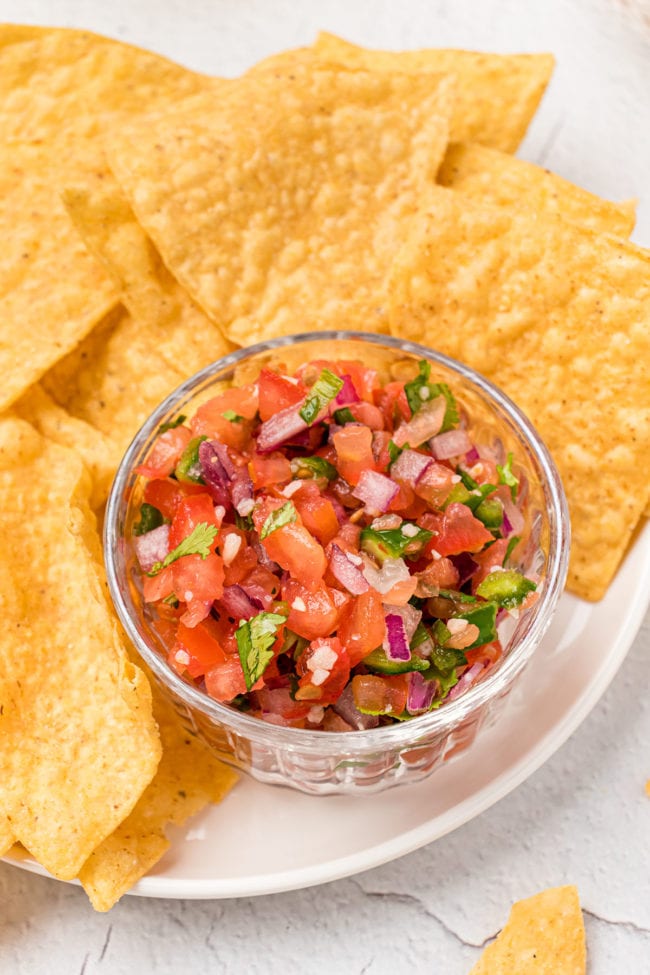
(544,935)
(499,179)
(496,94)
(260,204)
(78,744)
(559,317)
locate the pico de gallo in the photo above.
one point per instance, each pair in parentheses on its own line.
(328,551)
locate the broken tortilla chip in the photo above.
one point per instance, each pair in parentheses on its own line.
(260,204)
(78,743)
(499,179)
(481,284)
(188,778)
(496,95)
(544,935)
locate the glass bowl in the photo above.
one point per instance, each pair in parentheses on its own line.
(355,762)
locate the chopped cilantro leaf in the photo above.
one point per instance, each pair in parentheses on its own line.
(150,518)
(198,542)
(232,416)
(506,476)
(277,519)
(324,390)
(164,427)
(255,639)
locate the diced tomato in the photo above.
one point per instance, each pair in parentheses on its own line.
(279,701)
(435,484)
(190,512)
(441,574)
(209,419)
(311,686)
(362,626)
(364,379)
(159,586)
(276,393)
(316,512)
(166,453)
(167,494)
(267,469)
(401,592)
(244,561)
(380,695)
(348,537)
(226,680)
(198,578)
(197,610)
(297,551)
(486,561)
(353,444)
(200,645)
(460,532)
(393,403)
(368,414)
(489,653)
(320,614)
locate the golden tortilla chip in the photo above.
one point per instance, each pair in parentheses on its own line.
(98,453)
(78,743)
(559,317)
(544,935)
(498,179)
(261,204)
(496,94)
(188,778)
(179,331)
(57,92)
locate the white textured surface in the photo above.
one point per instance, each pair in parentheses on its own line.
(584,817)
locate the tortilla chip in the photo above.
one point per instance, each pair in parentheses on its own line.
(496,94)
(179,332)
(96,451)
(544,935)
(262,203)
(57,92)
(188,778)
(498,179)
(559,317)
(78,743)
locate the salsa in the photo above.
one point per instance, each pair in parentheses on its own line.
(325,550)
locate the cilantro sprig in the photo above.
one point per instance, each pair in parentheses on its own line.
(198,542)
(324,390)
(507,476)
(255,638)
(278,519)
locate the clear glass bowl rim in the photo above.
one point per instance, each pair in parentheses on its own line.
(407,733)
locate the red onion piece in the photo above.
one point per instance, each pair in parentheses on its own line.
(217,469)
(346,395)
(237,603)
(410,615)
(396,644)
(152,547)
(375,490)
(466,566)
(453,443)
(345,708)
(425,424)
(469,677)
(410,466)
(472,456)
(281,427)
(257,594)
(241,490)
(347,574)
(392,572)
(420,693)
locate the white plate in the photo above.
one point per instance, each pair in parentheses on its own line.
(264,839)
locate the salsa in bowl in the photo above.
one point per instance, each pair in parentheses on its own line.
(336,553)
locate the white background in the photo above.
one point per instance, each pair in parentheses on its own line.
(584,817)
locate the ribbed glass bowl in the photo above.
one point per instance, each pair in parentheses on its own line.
(355,762)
